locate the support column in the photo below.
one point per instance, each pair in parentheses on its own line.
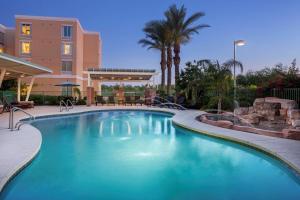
(19,90)
(90,96)
(89,80)
(99,92)
(3,71)
(29,89)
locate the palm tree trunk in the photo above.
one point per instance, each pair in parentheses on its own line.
(169,66)
(163,68)
(176,61)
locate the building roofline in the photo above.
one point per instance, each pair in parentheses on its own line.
(46,18)
(2,26)
(56,19)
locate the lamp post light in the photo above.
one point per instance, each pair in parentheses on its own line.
(235,44)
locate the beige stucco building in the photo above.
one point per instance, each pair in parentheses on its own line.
(60,44)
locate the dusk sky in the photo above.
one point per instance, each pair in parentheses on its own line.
(270,27)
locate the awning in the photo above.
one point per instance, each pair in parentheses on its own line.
(16,67)
(12,67)
(120,75)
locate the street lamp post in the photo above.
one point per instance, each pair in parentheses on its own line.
(235,44)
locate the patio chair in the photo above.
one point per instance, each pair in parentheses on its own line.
(99,99)
(5,105)
(111,100)
(128,100)
(138,100)
(24,104)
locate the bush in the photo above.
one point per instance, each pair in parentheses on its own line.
(44,99)
(81,102)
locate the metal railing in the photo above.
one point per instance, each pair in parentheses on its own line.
(20,123)
(69,101)
(63,105)
(287,93)
(165,104)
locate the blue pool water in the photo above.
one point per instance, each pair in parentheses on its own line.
(141,155)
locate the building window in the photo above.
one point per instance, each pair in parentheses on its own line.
(67,31)
(66,66)
(67,49)
(2,38)
(26,29)
(25,47)
(1,50)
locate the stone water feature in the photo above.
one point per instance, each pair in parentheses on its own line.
(268,116)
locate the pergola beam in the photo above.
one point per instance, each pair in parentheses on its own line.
(3,71)
(29,88)
(19,90)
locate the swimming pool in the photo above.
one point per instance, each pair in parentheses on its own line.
(142,155)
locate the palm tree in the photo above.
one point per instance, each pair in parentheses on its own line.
(231,63)
(182,30)
(156,39)
(220,76)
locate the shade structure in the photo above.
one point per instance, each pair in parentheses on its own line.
(16,67)
(120,75)
(12,67)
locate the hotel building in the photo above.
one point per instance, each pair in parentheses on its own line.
(61,44)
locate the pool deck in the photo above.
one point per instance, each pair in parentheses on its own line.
(18,148)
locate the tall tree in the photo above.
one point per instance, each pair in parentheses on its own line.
(182,29)
(156,39)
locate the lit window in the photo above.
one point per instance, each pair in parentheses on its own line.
(26,47)
(26,29)
(66,49)
(66,66)
(67,31)
(1,50)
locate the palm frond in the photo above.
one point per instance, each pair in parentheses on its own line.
(231,63)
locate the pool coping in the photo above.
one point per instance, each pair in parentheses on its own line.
(176,114)
(23,164)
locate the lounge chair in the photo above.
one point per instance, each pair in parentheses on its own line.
(99,99)
(111,100)
(24,104)
(6,105)
(138,100)
(129,100)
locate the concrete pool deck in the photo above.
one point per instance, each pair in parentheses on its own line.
(17,148)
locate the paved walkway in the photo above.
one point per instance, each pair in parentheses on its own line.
(19,147)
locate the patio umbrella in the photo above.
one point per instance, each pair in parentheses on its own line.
(67,84)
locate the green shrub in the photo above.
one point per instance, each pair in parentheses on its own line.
(81,102)
(44,99)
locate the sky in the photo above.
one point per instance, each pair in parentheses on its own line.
(271,28)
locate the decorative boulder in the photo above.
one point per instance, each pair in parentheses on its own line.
(252,118)
(296,123)
(285,103)
(241,111)
(291,134)
(224,124)
(294,114)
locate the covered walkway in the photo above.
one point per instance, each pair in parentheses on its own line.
(15,68)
